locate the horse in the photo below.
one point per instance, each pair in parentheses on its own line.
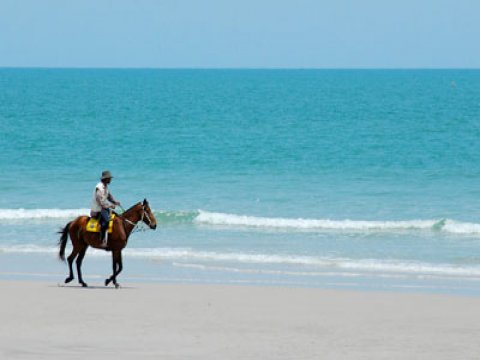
(123,226)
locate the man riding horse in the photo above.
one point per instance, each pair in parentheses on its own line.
(123,225)
(102,203)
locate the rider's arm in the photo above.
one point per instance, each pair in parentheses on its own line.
(113,200)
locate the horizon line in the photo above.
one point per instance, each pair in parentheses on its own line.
(227,68)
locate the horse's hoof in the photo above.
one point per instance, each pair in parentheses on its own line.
(107,281)
(68,279)
(84,284)
(117,286)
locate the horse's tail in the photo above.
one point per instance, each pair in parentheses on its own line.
(63,241)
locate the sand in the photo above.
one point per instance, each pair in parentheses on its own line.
(40,320)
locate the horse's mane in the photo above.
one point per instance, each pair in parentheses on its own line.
(130,208)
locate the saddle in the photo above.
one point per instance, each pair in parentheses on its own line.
(93,224)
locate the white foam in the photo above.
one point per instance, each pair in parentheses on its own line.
(37,249)
(461,227)
(14,214)
(28,249)
(335,264)
(190,254)
(331,263)
(214,218)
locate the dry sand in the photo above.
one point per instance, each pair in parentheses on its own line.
(40,320)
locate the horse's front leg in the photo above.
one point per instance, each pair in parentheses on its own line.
(116,266)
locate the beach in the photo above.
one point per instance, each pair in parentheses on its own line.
(42,320)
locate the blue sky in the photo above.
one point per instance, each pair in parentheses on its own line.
(247,33)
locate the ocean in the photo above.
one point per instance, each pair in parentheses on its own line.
(356,179)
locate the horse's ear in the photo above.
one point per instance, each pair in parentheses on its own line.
(145,202)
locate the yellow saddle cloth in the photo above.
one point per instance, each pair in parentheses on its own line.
(93,225)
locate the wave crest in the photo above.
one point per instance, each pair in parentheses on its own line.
(14,214)
(320,224)
(202,217)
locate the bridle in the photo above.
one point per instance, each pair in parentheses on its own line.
(144,216)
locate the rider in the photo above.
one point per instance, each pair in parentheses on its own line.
(102,202)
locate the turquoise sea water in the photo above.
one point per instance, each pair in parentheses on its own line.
(328,178)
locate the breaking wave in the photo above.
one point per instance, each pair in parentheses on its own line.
(225,220)
(26,214)
(212,218)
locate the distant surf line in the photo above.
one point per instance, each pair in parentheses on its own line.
(203,259)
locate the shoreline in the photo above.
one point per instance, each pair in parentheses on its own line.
(41,320)
(41,268)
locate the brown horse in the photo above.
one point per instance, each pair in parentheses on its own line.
(123,226)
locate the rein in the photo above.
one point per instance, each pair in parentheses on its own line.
(135,224)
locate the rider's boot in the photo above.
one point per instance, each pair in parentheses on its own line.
(103,237)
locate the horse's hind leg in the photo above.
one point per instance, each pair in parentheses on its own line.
(70,259)
(81,255)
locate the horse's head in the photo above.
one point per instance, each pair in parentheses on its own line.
(148,217)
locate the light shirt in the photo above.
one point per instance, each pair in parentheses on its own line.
(101,198)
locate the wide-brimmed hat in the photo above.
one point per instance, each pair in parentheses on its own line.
(106,175)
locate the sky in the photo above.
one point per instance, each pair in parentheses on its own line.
(240,34)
